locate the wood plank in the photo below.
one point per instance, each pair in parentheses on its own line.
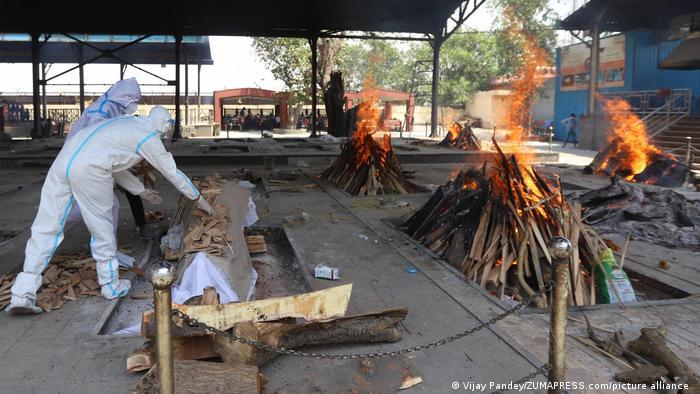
(205,377)
(318,305)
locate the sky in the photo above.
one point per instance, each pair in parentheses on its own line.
(235,66)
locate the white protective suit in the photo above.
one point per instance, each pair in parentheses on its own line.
(83,173)
(120,99)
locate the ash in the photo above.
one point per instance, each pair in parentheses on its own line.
(659,216)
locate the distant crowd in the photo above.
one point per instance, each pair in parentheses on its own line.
(14,113)
(244,119)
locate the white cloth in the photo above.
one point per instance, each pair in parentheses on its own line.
(82,173)
(203,273)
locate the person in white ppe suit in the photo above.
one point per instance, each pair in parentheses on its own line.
(120,99)
(84,173)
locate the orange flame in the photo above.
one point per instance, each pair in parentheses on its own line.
(454,130)
(368,114)
(528,80)
(628,140)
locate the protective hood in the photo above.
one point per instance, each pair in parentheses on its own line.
(120,99)
(160,118)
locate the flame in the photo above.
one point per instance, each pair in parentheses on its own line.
(628,141)
(528,80)
(454,130)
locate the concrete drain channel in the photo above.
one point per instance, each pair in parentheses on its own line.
(279,274)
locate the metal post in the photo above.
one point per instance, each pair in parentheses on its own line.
(595,55)
(313,41)
(122,71)
(81,78)
(437,43)
(199,92)
(551,135)
(36,132)
(162,276)
(688,149)
(43,91)
(560,248)
(178,44)
(187,91)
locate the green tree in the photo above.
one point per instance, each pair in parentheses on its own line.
(288,59)
(529,19)
(384,61)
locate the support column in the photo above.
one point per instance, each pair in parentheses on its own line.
(43,91)
(187,91)
(595,56)
(437,43)
(178,44)
(199,92)
(35,86)
(313,41)
(81,77)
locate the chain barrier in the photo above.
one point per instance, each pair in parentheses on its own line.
(194,323)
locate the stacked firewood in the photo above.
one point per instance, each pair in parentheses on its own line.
(367,166)
(68,277)
(459,137)
(207,233)
(494,224)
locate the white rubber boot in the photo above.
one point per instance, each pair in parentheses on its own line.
(22,306)
(116,289)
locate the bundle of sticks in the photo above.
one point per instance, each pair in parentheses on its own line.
(493,225)
(205,233)
(459,137)
(368,167)
(67,277)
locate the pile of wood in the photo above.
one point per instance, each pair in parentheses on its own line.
(494,225)
(68,277)
(256,244)
(659,168)
(204,233)
(310,319)
(647,359)
(367,166)
(459,137)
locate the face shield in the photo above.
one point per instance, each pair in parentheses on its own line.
(169,130)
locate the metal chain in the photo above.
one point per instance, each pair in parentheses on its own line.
(544,369)
(282,350)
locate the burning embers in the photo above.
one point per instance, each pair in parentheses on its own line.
(493,226)
(459,137)
(629,154)
(367,166)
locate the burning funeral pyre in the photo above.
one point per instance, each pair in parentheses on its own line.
(367,166)
(629,153)
(494,224)
(459,137)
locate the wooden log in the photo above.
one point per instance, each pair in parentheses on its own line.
(318,305)
(206,377)
(652,343)
(644,374)
(381,326)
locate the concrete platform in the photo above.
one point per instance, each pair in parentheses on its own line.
(58,351)
(303,152)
